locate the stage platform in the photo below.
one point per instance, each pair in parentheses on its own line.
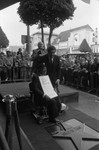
(21,89)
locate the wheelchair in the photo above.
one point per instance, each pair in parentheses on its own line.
(39,112)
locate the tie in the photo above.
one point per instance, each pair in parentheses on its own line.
(51,60)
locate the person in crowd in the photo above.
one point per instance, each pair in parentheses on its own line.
(2,67)
(52,62)
(75,74)
(96,73)
(26,67)
(53,105)
(20,52)
(17,66)
(37,52)
(63,69)
(91,70)
(9,65)
(84,73)
(66,66)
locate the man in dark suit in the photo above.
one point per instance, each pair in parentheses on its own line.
(52,62)
(40,99)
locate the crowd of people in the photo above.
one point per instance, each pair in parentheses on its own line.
(14,65)
(80,71)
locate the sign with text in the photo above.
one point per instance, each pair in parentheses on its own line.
(23,39)
(47,86)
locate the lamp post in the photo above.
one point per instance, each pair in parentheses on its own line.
(28,39)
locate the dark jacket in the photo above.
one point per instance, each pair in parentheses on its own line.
(53,105)
(53,68)
(36,88)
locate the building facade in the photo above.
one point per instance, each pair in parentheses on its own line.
(37,37)
(70,40)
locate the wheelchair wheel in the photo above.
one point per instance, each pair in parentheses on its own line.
(39,120)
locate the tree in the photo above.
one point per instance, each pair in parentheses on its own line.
(32,12)
(4,42)
(51,13)
(58,12)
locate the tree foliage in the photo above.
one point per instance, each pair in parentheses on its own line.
(4,42)
(51,13)
(32,11)
(58,12)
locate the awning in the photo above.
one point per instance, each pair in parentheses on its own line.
(6,3)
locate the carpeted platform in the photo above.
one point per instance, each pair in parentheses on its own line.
(17,88)
(21,89)
(36,134)
(68,95)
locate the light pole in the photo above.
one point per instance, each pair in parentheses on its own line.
(28,39)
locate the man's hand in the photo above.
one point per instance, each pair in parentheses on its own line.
(57,82)
(46,96)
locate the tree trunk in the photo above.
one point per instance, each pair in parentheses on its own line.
(42,31)
(50,35)
(28,40)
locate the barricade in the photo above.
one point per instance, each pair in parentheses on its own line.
(88,82)
(70,77)
(13,74)
(94,83)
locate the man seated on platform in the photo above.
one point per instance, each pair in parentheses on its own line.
(53,105)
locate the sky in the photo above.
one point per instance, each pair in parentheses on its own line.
(14,28)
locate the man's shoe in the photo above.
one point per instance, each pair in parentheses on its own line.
(39,120)
(54,120)
(63,107)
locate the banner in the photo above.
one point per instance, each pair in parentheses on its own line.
(86,1)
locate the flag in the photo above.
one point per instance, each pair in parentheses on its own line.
(86,1)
